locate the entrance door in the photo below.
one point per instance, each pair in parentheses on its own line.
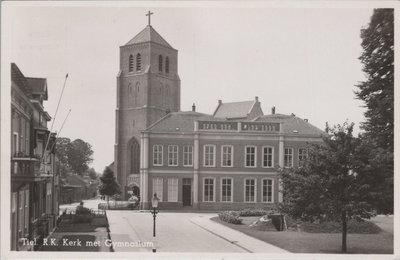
(187,192)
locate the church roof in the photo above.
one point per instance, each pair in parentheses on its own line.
(234,109)
(148,34)
(291,124)
(179,122)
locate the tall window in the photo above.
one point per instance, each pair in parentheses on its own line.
(172,155)
(250,152)
(209,190)
(226,190)
(268,158)
(227,156)
(21,213)
(157,155)
(167,64)
(158,188)
(267,190)
(209,155)
(160,62)
(172,189)
(26,210)
(138,62)
(288,158)
(130,63)
(250,190)
(303,154)
(27,137)
(188,155)
(15,142)
(48,198)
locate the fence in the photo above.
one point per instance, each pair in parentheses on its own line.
(94,212)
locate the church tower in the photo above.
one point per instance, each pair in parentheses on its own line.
(148,88)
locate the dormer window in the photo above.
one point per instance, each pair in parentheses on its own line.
(160,63)
(130,63)
(167,65)
(138,62)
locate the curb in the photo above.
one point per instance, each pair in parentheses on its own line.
(220,236)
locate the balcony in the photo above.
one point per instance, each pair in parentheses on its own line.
(27,168)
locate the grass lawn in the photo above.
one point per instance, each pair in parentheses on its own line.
(302,242)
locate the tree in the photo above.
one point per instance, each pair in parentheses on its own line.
(75,155)
(377,91)
(109,185)
(92,173)
(327,187)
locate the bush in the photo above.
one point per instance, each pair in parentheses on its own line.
(230,217)
(254,212)
(82,218)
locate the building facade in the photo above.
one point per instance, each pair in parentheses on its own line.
(227,160)
(34,166)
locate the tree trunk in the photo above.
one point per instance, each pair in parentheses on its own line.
(108,202)
(344,232)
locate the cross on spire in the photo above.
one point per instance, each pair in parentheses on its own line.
(149,14)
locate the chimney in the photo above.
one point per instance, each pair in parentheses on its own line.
(194,107)
(293,114)
(305,119)
(256,99)
(219,102)
(273,110)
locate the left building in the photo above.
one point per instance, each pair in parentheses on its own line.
(34,165)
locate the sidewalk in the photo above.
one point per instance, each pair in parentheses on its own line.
(250,244)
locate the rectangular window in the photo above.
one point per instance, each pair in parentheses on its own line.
(21,204)
(268,157)
(48,198)
(267,190)
(172,189)
(27,138)
(209,190)
(226,190)
(172,155)
(250,190)
(303,154)
(209,155)
(227,156)
(15,143)
(26,210)
(157,155)
(250,153)
(288,158)
(188,155)
(14,202)
(158,188)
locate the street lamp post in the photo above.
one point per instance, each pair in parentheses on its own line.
(154,204)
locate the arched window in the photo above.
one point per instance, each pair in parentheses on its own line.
(130,63)
(160,62)
(138,62)
(167,65)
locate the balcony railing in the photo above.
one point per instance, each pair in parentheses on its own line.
(25,166)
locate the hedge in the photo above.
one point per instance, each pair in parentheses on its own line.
(230,217)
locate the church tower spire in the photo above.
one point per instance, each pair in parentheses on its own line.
(148,87)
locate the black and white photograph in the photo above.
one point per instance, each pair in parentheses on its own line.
(199,129)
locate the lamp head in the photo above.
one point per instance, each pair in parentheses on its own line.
(154,201)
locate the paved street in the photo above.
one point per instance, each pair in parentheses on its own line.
(175,233)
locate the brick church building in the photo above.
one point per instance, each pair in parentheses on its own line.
(227,160)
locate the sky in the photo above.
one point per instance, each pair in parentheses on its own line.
(300,60)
